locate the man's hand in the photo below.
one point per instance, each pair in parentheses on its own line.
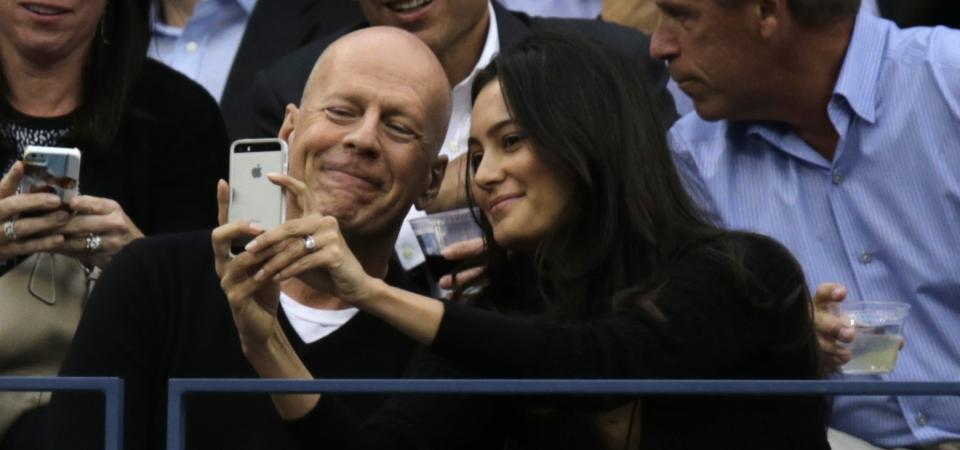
(833,333)
(253,302)
(27,235)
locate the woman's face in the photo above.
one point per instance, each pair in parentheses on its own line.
(48,29)
(521,197)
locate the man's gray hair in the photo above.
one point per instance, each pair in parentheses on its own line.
(814,13)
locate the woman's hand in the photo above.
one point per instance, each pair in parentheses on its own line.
(315,252)
(98,230)
(27,235)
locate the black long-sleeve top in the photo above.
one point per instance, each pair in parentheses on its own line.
(158,312)
(709,330)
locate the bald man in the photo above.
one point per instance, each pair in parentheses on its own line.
(363,147)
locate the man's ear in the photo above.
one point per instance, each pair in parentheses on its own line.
(771,15)
(437,170)
(289,122)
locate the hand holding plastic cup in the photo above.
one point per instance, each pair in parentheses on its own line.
(878,332)
(437,231)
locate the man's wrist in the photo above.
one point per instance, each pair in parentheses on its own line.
(267,356)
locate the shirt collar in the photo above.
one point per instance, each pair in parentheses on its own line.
(491,47)
(163,29)
(857,82)
(247,5)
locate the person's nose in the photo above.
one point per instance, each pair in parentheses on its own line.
(663,45)
(488,173)
(364,138)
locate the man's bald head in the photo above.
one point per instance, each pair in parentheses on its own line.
(366,137)
(392,53)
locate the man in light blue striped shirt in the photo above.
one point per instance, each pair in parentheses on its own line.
(838,134)
(201,41)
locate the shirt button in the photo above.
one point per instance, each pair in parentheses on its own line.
(407,252)
(866,258)
(922,419)
(192,46)
(837,177)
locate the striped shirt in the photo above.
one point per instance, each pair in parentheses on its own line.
(883,217)
(205,48)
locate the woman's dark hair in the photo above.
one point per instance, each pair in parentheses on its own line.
(116,56)
(591,118)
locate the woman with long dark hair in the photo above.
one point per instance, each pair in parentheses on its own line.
(74,73)
(599,266)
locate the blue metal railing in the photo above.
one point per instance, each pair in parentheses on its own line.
(112,389)
(178,388)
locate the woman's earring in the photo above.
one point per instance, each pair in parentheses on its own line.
(103,28)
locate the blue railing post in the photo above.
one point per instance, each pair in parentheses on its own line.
(112,389)
(176,414)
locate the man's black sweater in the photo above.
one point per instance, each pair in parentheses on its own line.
(159,313)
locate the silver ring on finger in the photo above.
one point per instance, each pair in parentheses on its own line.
(8,230)
(309,243)
(93,243)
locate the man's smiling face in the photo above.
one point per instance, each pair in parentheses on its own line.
(438,23)
(366,136)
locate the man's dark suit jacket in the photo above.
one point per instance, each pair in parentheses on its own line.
(283,82)
(276,28)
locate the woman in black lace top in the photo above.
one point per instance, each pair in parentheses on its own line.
(73,73)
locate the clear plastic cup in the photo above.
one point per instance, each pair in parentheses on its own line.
(878,328)
(437,231)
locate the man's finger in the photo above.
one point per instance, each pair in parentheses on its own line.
(464,249)
(223,201)
(828,294)
(295,187)
(10,181)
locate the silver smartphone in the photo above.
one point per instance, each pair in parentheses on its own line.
(253,197)
(53,170)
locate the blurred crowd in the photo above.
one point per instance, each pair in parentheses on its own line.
(668,189)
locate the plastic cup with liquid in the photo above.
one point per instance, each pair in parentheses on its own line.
(437,231)
(878,332)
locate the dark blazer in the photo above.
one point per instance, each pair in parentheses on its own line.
(283,82)
(276,28)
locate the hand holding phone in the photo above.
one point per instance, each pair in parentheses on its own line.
(253,197)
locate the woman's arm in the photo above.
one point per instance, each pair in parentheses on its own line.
(709,328)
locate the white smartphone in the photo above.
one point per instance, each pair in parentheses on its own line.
(54,170)
(252,196)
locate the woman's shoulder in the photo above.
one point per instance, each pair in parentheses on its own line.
(750,260)
(164,92)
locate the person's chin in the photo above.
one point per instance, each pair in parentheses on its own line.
(710,109)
